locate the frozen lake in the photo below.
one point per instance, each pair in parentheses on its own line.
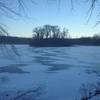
(50,73)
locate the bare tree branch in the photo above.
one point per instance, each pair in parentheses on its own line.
(91,9)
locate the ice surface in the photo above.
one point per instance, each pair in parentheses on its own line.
(60,71)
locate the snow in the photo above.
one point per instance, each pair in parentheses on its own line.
(60,71)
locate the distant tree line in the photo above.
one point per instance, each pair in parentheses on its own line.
(50,31)
(96,36)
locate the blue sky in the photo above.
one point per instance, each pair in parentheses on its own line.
(54,13)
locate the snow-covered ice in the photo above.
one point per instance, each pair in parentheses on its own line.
(60,72)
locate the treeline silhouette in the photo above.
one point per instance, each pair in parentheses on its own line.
(65,42)
(54,36)
(14,40)
(50,31)
(51,36)
(88,41)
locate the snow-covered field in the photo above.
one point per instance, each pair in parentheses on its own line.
(47,73)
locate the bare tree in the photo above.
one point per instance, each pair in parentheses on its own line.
(50,31)
(65,33)
(96,36)
(38,33)
(47,30)
(11,9)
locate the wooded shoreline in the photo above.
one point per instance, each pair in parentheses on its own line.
(51,42)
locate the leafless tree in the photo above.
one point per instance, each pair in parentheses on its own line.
(50,31)
(9,9)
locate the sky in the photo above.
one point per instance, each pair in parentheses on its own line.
(54,13)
